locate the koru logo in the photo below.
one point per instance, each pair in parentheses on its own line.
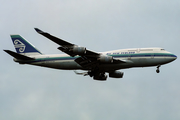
(20,45)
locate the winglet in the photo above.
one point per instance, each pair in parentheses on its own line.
(38,30)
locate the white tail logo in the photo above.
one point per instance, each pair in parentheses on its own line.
(20,45)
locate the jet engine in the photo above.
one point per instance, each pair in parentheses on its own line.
(105,59)
(79,50)
(116,74)
(100,76)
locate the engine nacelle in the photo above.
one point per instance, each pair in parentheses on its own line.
(101,77)
(105,59)
(79,50)
(116,74)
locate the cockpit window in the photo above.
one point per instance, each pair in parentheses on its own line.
(162,49)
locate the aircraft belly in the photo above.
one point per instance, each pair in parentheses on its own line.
(66,65)
(69,65)
(137,62)
(144,62)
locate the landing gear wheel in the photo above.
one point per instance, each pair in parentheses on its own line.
(157,71)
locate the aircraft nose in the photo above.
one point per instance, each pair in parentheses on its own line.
(174,57)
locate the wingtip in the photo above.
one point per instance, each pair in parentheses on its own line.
(38,30)
(5,50)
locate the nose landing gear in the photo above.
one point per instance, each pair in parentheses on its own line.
(158,68)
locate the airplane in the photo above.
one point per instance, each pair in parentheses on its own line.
(96,64)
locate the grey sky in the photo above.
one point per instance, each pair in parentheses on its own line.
(30,92)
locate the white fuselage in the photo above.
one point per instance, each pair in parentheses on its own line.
(141,57)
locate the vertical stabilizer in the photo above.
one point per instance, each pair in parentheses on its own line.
(24,47)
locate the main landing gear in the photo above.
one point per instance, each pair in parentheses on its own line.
(158,68)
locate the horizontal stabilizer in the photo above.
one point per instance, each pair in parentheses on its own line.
(18,56)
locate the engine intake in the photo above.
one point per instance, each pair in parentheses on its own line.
(116,74)
(105,59)
(79,50)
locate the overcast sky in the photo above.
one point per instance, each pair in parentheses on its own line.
(36,93)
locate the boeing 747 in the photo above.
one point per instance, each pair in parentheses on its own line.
(95,64)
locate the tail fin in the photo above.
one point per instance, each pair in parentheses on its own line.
(24,47)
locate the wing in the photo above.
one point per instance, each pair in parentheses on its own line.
(88,59)
(54,39)
(69,48)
